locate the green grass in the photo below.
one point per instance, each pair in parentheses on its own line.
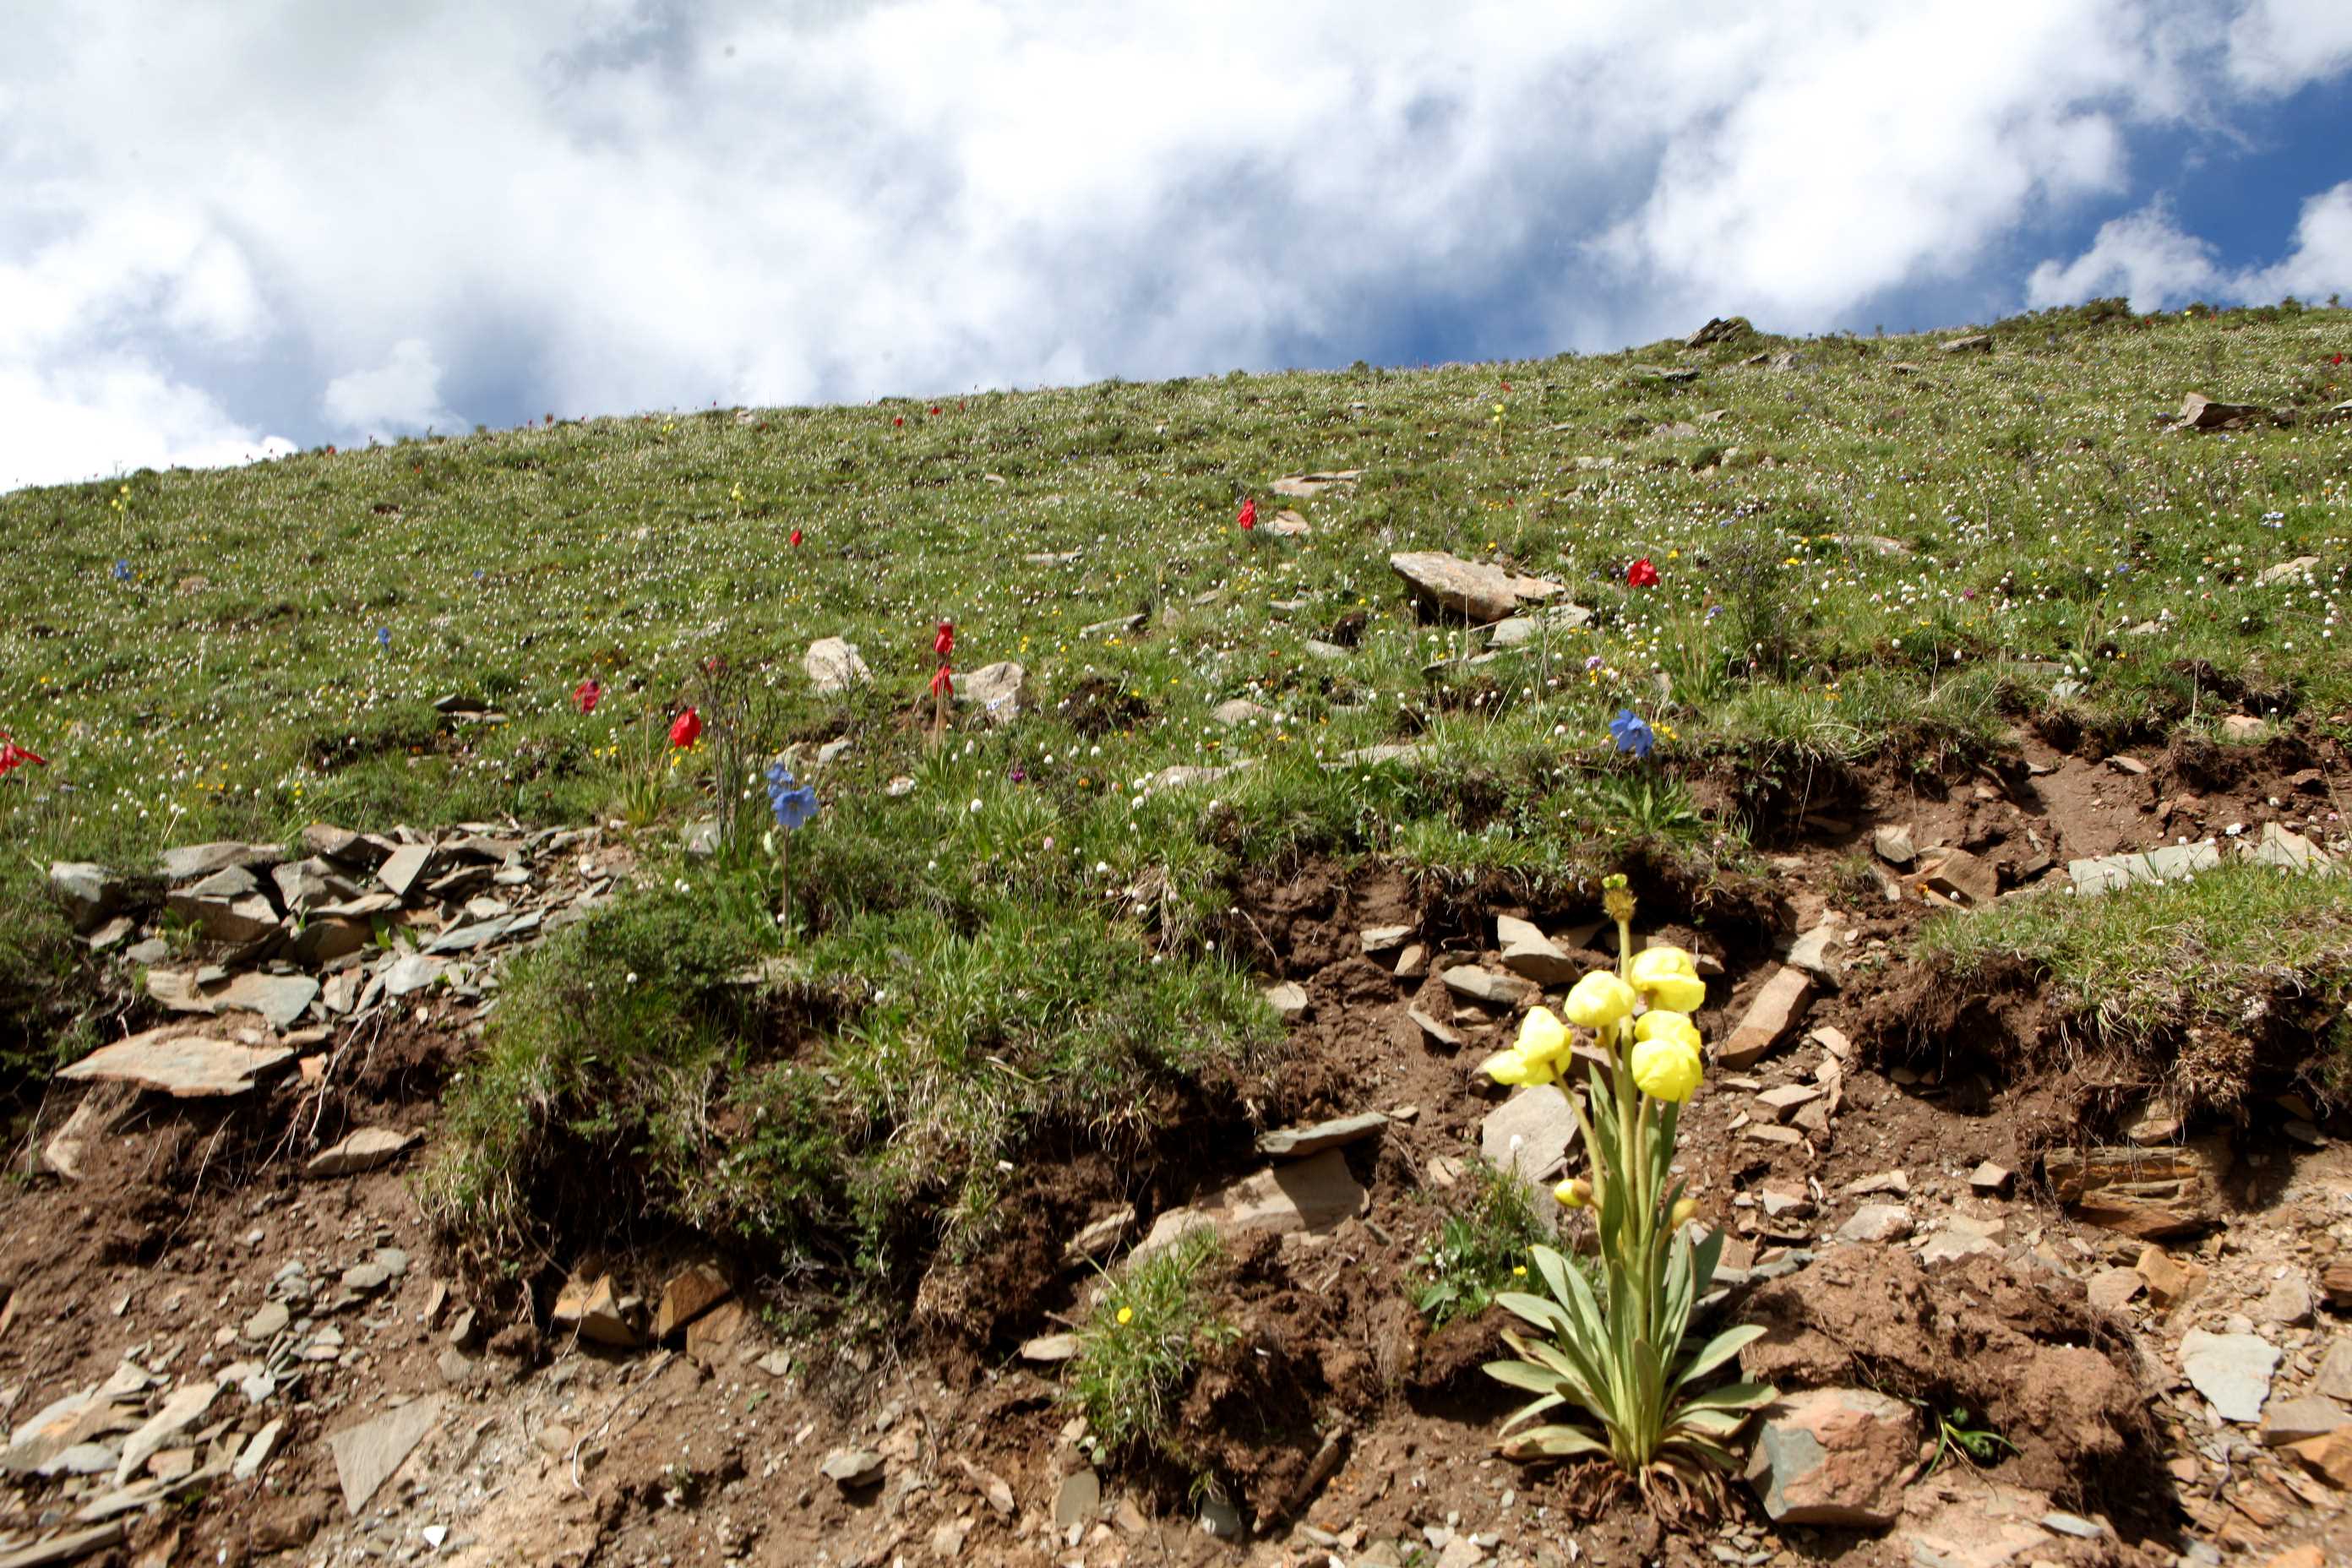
(1154,1323)
(1480,1246)
(2159,959)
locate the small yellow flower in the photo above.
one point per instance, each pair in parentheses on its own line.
(1126,1315)
(1598,1000)
(1519,1270)
(1683,1212)
(1666,1070)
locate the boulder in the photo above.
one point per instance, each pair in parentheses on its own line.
(89,893)
(833,666)
(689,1294)
(1457,589)
(2199,411)
(1239,710)
(995,689)
(1834,1455)
(1974,344)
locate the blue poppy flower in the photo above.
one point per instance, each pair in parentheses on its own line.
(383,636)
(123,571)
(1631,732)
(790,805)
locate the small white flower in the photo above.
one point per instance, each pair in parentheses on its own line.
(975,805)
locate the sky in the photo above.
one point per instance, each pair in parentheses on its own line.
(232,229)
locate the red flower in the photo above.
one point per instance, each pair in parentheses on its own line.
(686,729)
(935,411)
(944,644)
(1507,386)
(2338,360)
(1642,575)
(942,679)
(897,420)
(796,539)
(1248,518)
(14,756)
(587,694)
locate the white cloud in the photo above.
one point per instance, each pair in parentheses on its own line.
(2146,258)
(367,218)
(112,417)
(400,396)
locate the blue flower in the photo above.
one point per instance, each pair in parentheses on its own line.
(123,571)
(1631,733)
(383,636)
(791,805)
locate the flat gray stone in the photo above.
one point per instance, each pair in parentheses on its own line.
(1453,587)
(1313,1194)
(1288,1000)
(403,867)
(194,860)
(1877,1223)
(851,1468)
(367,1455)
(1298,1142)
(412,971)
(2231,1371)
(1076,1500)
(363,1151)
(833,666)
(1050,1348)
(1489,988)
(187,1067)
(2104,873)
(1528,952)
(1529,1133)
(187,1406)
(279,998)
(995,689)
(2293,1420)
(2334,1378)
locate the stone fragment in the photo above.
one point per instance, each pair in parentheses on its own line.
(1963,1236)
(1488,988)
(1769,1019)
(89,893)
(1439,1031)
(1078,1500)
(853,1469)
(1049,1348)
(1530,1134)
(267,1323)
(1876,1223)
(282,999)
(1413,963)
(413,972)
(590,1308)
(2335,1284)
(1305,486)
(2329,1458)
(2199,411)
(2280,847)
(1377,939)
(95,1115)
(1894,845)
(1894,1182)
(1783,1102)
(363,1151)
(833,666)
(2288,1421)
(1975,342)
(323,938)
(187,1067)
(197,860)
(1288,1001)
(403,867)
(2285,571)
(710,1338)
(1101,1235)
(2111,1290)
(182,1410)
(1451,588)
(1834,1455)
(1298,1142)
(1961,879)
(1239,710)
(1820,953)
(1526,951)
(2147,1193)
(689,1294)
(2334,1378)
(1313,1195)
(1991,1178)
(225,920)
(2231,1371)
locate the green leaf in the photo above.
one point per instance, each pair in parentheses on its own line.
(1733,1396)
(1555,1442)
(1530,1411)
(1523,1374)
(1717,1350)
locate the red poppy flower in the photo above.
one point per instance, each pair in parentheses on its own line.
(1507,386)
(1642,575)
(897,420)
(942,679)
(686,729)
(587,694)
(796,539)
(935,411)
(2338,360)
(14,756)
(1249,517)
(944,644)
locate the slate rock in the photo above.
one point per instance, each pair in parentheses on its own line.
(89,892)
(1298,1142)
(851,1469)
(1526,951)
(196,860)
(2147,1193)
(2231,1371)
(363,1151)
(187,1067)
(1769,1019)
(1310,1196)
(368,1454)
(687,1295)
(1531,1133)
(1452,587)
(1489,988)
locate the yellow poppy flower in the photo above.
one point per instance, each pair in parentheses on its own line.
(1598,1000)
(1662,1023)
(1542,1037)
(1669,978)
(1666,1070)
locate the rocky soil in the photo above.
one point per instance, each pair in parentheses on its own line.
(229,1335)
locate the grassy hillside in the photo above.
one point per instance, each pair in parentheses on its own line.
(1879,549)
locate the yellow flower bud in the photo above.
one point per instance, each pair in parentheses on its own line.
(1598,1000)
(1575,1192)
(1669,978)
(1681,1213)
(1542,1037)
(1663,1024)
(1515,1067)
(1666,1068)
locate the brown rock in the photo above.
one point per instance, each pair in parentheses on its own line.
(687,1296)
(711,1336)
(1457,589)
(1960,878)
(2335,1284)
(2199,411)
(1834,1455)
(1769,1019)
(2328,1457)
(589,1308)
(2170,1280)
(184,1066)
(2147,1193)
(1311,1195)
